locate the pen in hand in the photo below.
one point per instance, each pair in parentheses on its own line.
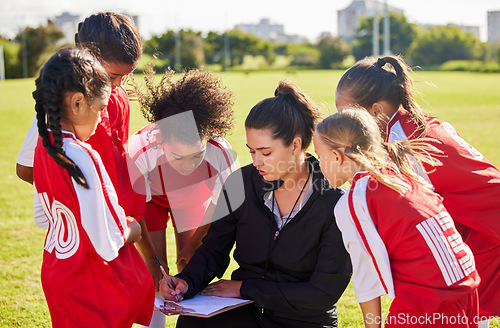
(167,278)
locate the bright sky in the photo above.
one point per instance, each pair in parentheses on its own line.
(307,18)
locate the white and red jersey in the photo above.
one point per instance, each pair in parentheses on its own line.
(470,187)
(405,246)
(27,152)
(468,182)
(186,196)
(89,277)
(109,140)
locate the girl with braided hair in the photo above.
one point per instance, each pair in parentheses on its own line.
(467,181)
(115,41)
(92,275)
(401,240)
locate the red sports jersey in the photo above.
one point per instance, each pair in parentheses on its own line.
(109,141)
(470,187)
(407,246)
(89,277)
(119,115)
(187,197)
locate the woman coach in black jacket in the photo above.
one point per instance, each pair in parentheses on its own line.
(279,211)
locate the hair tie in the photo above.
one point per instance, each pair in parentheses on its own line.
(380,62)
(350,147)
(283,94)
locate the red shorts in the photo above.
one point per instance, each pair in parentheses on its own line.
(158,212)
(156,216)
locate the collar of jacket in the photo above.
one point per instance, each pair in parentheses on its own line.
(263,186)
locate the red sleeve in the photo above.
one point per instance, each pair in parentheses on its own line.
(119,115)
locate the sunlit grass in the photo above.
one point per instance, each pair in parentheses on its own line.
(469,101)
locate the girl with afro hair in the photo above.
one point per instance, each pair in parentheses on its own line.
(182,155)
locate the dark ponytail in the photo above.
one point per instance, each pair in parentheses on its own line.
(290,113)
(371,80)
(66,71)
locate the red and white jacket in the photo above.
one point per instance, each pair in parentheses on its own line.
(109,140)
(467,181)
(470,187)
(404,246)
(87,272)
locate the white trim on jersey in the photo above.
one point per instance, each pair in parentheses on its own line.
(98,215)
(145,151)
(225,165)
(126,93)
(41,219)
(455,260)
(27,153)
(45,204)
(398,134)
(464,144)
(97,218)
(372,276)
(63,234)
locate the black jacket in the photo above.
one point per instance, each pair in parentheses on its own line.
(300,275)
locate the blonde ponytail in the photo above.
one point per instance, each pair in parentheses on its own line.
(356,130)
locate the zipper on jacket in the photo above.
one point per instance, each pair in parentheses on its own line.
(272,242)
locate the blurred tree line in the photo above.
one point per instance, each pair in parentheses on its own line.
(234,49)
(29,50)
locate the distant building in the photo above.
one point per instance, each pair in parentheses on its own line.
(135,18)
(68,24)
(470,29)
(323,35)
(348,18)
(270,32)
(494,26)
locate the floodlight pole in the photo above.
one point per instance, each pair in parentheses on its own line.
(2,64)
(227,54)
(376,32)
(177,45)
(25,54)
(387,31)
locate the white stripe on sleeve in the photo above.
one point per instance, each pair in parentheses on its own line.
(41,219)
(27,153)
(96,217)
(223,161)
(367,282)
(453,257)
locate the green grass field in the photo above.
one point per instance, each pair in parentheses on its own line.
(469,101)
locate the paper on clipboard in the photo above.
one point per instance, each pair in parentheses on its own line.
(206,306)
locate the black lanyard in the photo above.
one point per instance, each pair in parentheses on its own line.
(280,228)
(284,223)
